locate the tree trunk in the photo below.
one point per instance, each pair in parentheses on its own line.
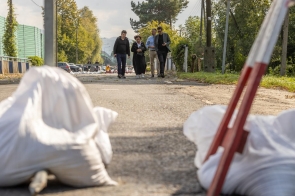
(285,44)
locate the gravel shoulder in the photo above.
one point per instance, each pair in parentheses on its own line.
(152,157)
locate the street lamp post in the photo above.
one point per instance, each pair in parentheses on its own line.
(50,32)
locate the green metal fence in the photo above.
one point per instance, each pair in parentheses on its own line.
(30,40)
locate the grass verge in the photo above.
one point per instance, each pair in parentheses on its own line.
(10,76)
(286,83)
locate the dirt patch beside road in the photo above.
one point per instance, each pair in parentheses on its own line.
(267,101)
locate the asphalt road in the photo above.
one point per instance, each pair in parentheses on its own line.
(152,157)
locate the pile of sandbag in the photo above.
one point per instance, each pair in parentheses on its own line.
(49,123)
(267,164)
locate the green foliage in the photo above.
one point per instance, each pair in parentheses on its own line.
(210,78)
(192,30)
(243,29)
(191,39)
(9,38)
(178,53)
(77,29)
(275,71)
(290,70)
(145,32)
(287,83)
(36,61)
(62,57)
(239,60)
(158,10)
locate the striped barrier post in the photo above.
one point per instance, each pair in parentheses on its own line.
(1,72)
(10,66)
(233,140)
(20,67)
(27,66)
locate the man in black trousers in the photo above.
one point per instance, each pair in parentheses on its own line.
(162,45)
(121,50)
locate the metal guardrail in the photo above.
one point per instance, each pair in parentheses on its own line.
(9,58)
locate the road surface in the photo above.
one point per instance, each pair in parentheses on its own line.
(152,157)
(151,154)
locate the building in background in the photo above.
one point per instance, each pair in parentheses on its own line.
(2,25)
(29,40)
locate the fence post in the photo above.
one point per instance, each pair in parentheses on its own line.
(185,58)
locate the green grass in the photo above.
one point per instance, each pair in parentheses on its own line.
(286,83)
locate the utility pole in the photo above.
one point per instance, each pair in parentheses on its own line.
(201,25)
(50,32)
(56,33)
(209,23)
(209,56)
(225,36)
(76,45)
(285,44)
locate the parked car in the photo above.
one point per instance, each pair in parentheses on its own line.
(80,65)
(74,67)
(65,66)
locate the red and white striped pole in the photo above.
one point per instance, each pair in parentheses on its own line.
(252,73)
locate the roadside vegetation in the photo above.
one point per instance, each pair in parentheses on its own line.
(268,81)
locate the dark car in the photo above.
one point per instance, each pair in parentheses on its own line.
(65,66)
(74,67)
(81,66)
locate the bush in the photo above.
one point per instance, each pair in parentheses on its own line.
(36,61)
(178,54)
(275,71)
(290,70)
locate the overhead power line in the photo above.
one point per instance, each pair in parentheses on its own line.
(196,7)
(36,4)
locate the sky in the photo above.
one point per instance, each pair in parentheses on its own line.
(113,15)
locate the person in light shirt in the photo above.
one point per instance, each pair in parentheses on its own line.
(150,44)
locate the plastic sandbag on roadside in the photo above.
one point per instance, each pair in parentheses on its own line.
(267,165)
(105,117)
(49,123)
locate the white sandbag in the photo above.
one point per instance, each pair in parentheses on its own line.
(49,123)
(267,165)
(104,117)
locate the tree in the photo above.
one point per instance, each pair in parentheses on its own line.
(90,43)
(158,10)
(244,24)
(71,21)
(9,38)
(192,33)
(66,28)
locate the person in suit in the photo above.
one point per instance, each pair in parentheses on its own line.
(121,50)
(162,45)
(138,48)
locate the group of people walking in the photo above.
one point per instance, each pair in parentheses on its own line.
(158,46)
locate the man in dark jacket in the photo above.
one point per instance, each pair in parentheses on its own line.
(121,49)
(162,45)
